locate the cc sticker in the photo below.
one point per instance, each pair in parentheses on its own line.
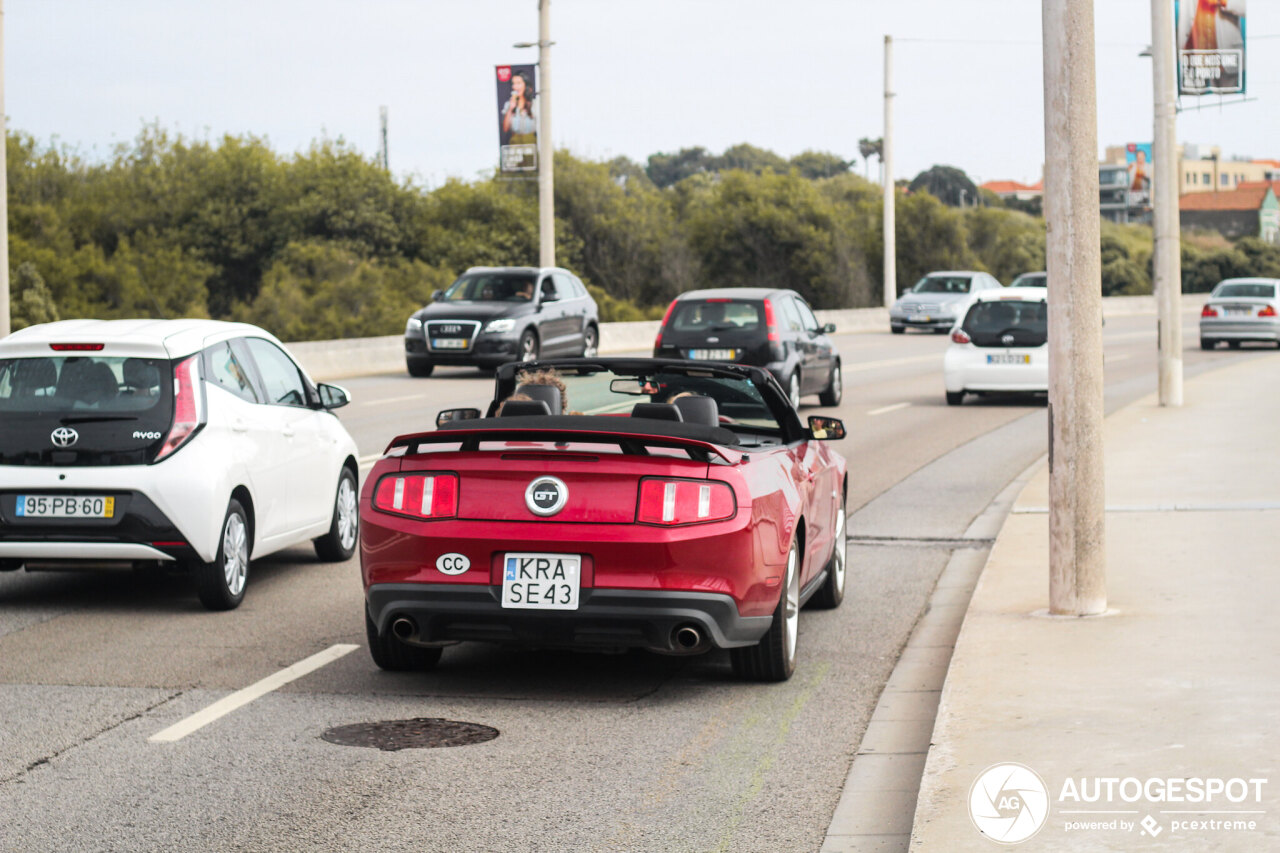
(452,564)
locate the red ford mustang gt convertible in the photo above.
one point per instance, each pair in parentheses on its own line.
(678,507)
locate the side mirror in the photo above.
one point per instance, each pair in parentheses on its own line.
(456,415)
(550,297)
(332,396)
(437,295)
(829,329)
(826,429)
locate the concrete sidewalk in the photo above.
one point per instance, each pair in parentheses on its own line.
(1175,689)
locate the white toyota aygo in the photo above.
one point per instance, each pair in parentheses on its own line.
(999,345)
(193,443)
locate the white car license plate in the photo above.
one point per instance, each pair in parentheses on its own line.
(1008,358)
(713,354)
(919,318)
(65,506)
(541,581)
(1238,312)
(450,343)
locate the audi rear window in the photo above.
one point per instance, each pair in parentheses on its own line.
(90,384)
(716,316)
(1246,291)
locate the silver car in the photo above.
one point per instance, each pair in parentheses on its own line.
(1241,309)
(938,300)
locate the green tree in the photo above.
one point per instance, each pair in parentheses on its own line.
(948,184)
(30,301)
(819,164)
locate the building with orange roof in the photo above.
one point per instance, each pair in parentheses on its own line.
(1253,212)
(1015,190)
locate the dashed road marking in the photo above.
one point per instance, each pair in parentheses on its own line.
(884,410)
(243,697)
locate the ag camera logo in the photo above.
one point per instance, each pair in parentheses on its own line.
(1008,803)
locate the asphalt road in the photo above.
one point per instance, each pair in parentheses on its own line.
(595,752)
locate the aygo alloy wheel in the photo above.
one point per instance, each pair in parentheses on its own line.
(222,581)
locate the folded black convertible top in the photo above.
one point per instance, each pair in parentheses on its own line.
(597,424)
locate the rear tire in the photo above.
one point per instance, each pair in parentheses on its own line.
(774,657)
(1205,344)
(420,369)
(590,342)
(222,582)
(10,565)
(835,388)
(339,543)
(897,330)
(942,331)
(832,591)
(1234,344)
(529,346)
(955,398)
(394,656)
(793,389)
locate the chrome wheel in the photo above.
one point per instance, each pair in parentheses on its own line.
(791,610)
(590,343)
(529,347)
(348,514)
(235,554)
(841,554)
(793,389)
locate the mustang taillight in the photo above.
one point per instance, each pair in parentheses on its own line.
(188,406)
(960,336)
(418,495)
(671,502)
(1267,311)
(1209,311)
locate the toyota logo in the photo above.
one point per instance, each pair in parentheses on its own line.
(1007,340)
(546,496)
(64,436)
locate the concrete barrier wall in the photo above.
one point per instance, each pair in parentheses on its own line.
(326,360)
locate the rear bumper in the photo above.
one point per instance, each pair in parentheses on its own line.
(966,369)
(605,618)
(1240,330)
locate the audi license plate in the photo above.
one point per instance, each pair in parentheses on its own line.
(541,581)
(65,506)
(713,354)
(450,343)
(1008,358)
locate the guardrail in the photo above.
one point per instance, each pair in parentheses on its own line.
(326,360)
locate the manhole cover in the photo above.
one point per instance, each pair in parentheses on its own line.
(418,733)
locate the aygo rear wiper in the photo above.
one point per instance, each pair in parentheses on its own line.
(96,419)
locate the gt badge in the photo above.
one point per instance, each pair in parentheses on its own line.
(452,564)
(546,496)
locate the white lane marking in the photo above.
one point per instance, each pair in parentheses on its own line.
(404,399)
(886,409)
(367,461)
(240,698)
(890,362)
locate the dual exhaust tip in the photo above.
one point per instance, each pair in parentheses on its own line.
(686,639)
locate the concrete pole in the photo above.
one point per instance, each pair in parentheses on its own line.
(1167,257)
(4,197)
(886,174)
(1077,556)
(546,152)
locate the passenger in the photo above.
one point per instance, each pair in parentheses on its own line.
(513,398)
(546,376)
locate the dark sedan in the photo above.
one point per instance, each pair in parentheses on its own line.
(493,315)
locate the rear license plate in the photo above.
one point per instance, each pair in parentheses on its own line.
(450,343)
(1238,312)
(713,354)
(919,318)
(541,581)
(65,506)
(1008,358)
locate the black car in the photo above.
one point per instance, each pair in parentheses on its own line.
(774,329)
(493,315)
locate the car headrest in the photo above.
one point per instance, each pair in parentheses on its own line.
(697,409)
(139,375)
(548,394)
(520,408)
(34,374)
(656,411)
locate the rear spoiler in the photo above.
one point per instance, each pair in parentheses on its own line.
(632,438)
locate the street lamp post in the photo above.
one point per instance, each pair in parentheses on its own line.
(1166,253)
(886,167)
(546,152)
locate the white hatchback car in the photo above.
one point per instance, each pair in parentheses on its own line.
(188,442)
(1000,345)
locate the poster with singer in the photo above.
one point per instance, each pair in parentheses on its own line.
(1211,54)
(517,119)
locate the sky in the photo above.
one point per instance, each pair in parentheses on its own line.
(629,78)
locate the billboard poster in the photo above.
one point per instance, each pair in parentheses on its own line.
(1211,37)
(1137,156)
(517,119)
